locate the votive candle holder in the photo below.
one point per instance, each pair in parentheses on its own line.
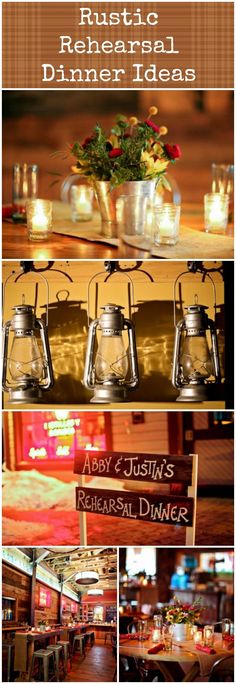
(166,223)
(81,203)
(39,219)
(216,211)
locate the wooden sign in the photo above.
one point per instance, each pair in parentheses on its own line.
(171,510)
(130,466)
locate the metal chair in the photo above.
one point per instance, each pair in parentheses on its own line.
(57,649)
(43,657)
(9,646)
(67,653)
(79,640)
(222,670)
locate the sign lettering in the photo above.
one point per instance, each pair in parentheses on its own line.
(129,466)
(171,510)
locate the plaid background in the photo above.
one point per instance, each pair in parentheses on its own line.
(203,33)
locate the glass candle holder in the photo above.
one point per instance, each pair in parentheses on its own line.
(208,635)
(81,203)
(197,637)
(166,224)
(167,637)
(226,628)
(141,630)
(25,186)
(216,209)
(193,630)
(39,219)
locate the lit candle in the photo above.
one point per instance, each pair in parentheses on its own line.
(81,203)
(156,635)
(208,635)
(167,219)
(193,630)
(197,637)
(39,219)
(216,212)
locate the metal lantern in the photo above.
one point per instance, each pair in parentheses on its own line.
(27,366)
(111,370)
(196,365)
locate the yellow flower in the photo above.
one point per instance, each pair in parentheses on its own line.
(133,120)
(152,111)
(163,130)
(153,167)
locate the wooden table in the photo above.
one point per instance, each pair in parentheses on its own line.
(17,246)
(181,653)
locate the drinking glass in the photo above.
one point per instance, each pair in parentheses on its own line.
(25,186)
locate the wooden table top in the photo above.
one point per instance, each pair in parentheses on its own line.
(17,246)
(183,652)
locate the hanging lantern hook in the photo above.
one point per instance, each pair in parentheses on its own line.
(207,275)
(20,275)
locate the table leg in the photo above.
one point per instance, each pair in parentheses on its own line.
(30,656)
(192,673)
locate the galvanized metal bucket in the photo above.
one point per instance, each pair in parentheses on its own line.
(124,209)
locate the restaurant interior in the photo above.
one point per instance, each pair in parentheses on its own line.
(59,614)
(39,482)
(197,587)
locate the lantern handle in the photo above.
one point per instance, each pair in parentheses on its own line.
(17,277)
(105,277)
(207,275)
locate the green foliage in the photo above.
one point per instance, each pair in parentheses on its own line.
(119,158)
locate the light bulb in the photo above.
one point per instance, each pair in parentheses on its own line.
(25,359)
(195,358)
(111,361)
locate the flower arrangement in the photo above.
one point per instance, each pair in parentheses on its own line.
(133,151)
(185,613)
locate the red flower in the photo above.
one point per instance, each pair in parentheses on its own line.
(116,152)
(87,141)
(152,125)
(172,151)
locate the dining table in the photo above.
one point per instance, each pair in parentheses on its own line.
(183,656)
(83,240)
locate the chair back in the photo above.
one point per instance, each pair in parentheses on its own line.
(223,670)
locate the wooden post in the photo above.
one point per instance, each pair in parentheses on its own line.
(192,491)
(32,590)
(60,601)
(82,518)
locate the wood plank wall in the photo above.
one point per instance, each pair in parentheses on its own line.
(16,584)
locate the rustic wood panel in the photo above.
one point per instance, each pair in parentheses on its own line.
(131,466)
(16,584)
(170,510)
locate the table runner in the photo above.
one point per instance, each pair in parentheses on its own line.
(20,659)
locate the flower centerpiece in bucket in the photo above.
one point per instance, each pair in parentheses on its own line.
(182,616)
(130,161)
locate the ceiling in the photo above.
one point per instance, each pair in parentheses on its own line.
(62,564)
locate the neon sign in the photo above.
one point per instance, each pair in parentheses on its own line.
(60,428)
(39,452)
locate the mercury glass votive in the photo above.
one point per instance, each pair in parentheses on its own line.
(216,209)
(208,635)
(81,203)
(166,224)
(39,219)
